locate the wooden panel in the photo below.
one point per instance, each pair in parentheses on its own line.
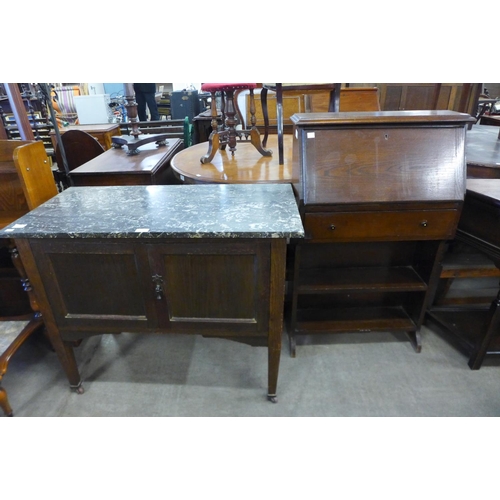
(379,226)
(292,103)
(420,96)
(214,284)
(198,300)
(384,165)
(351,99)
(92,283)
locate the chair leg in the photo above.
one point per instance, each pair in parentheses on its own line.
(263,101)
(35,323)
(279,122)
(254,132)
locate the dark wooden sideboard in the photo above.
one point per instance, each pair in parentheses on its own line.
(379,195)
(202,259)
(473,327)
(116,168)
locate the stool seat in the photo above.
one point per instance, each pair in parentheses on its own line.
(227,134)
(222,87)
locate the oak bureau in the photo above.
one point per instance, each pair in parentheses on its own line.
(379,193)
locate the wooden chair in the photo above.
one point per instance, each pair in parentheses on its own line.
(333,90)
(38,185)
(35,174)
(79,148)
(64,104)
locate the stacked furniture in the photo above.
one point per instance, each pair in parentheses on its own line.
(379,193)
(26,181)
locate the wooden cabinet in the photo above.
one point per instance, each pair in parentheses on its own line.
(379,195)
(473,325)
(181,286)
(163,259)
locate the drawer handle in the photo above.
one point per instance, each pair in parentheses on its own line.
(332,227)
(423,223)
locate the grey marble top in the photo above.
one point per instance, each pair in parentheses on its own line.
(483,146)
(185,211)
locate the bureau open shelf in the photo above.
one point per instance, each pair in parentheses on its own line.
(354,319)
(396,279)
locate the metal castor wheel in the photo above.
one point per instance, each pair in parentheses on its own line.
(272,397)
(79,389)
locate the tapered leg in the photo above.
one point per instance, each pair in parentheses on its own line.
(39,303)
(491,326)
(276,301)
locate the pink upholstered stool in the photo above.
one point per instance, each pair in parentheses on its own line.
(227,134)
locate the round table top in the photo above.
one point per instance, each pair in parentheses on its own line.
(246,166)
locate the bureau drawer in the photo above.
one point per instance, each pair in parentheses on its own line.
(381,226)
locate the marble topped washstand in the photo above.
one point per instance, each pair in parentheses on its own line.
(198,259)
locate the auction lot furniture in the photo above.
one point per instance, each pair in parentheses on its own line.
(200,259)
(226,134)
(101,132)
(29,184)
(116,168)
(474,328)
(379,195)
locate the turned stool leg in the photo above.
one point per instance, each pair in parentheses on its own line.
(230,122)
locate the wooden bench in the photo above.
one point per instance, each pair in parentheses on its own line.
(176,129)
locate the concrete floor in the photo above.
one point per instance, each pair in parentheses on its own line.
(365,375)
